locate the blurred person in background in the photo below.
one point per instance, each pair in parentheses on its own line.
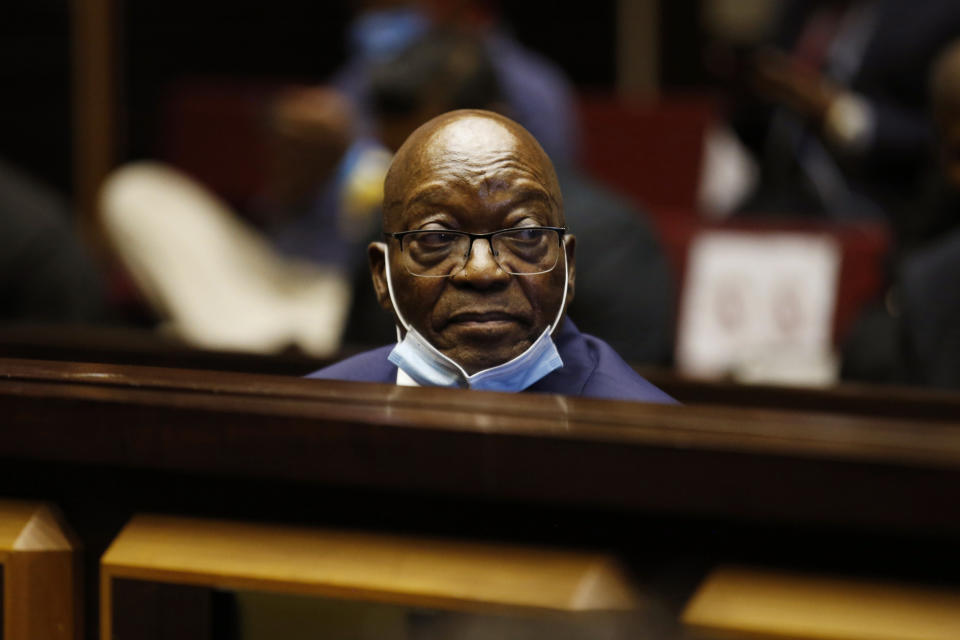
(46,275)
(324,178)
(833,106)
(936,210)
(331,146)
(928,293)
(913,334)
(539,94)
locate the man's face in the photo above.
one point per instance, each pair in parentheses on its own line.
(473,174)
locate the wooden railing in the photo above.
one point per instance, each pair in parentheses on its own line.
(672,490)
(542,448)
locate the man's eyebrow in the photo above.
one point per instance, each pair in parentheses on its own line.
(438,195)
(430,195)
(525,194)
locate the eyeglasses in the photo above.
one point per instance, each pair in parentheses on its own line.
(441,253)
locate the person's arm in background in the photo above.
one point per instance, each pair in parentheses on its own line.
(46,274)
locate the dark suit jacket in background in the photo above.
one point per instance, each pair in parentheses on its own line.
(892,76)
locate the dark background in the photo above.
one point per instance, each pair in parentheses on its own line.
(297,40)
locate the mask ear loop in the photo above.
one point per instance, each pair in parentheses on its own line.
(566,287)
(393,299)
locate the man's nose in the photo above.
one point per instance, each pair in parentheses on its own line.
(481,268)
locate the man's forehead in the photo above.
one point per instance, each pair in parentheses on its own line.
(478,147)
(469,136)
(477,151)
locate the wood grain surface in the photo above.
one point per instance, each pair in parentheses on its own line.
(356,565)
(763,603)
(780,465)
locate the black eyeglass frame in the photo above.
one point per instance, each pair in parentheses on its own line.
(488,236)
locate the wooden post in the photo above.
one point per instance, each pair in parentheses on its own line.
(638,47)
(41,574)
(95,106)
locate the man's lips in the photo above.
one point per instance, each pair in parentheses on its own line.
(480,317)
(484,324)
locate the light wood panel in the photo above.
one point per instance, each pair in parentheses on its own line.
(412,571)
(95,106)
(638,47)
(763,603)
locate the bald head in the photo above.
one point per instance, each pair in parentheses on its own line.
(467,144)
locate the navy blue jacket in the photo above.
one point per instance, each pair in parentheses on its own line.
(591,368)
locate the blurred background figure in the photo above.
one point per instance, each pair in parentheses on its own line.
(46,274)
(930,305)
(911,334)
(330,143)
(216,282)
(935,209)
(324,178)
(539,94)
(833,104)
(929,245)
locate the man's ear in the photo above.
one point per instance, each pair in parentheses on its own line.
(570,245)
(377,256)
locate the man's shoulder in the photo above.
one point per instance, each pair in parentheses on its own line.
(369,366)
(592,368)
(614,378)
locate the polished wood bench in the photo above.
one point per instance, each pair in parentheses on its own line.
(782,465)
(39,565)
(890,401)
(133,346)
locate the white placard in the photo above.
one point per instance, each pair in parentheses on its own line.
(759,306)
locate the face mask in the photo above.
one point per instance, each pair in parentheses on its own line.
(381,34)
(427,366)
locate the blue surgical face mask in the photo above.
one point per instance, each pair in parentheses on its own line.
(378,35)
(427,366)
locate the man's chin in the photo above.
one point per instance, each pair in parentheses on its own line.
(474,358)
(481,345)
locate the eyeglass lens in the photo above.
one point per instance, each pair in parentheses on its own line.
(517,251)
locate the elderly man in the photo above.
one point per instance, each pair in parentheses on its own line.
(477,268)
